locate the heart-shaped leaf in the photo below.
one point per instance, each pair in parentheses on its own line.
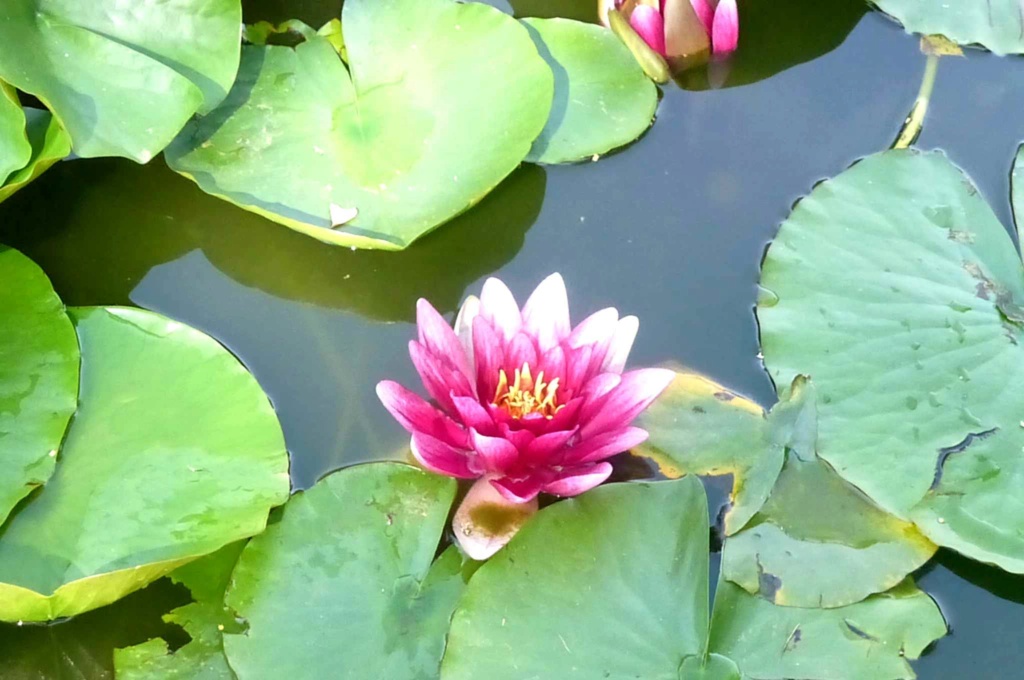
(122,78)
(345,585)
(38,377)
(438,102)
(614,584)
(603,99)
(995,24)
(174,452)
(897,288)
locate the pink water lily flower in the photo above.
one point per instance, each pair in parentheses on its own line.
(667,26)
(521,401)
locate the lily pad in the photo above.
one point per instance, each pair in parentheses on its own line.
(49,144)
(815,540)
(345,585)
(553,603)
(897,288)
(174,452)
(416,129)
(15,149)
(995,24)
(205,620)
(122,78)
(819,542)
(603,99)
(875,638)
(38,377)
(699,427)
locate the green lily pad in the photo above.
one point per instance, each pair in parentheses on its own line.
(995,24)
(897,288)
(699,427)
(49,144)
(611,584)
(345,585)
(38,377)
(819,542)
(439,102)
(603,99)
(553,603)
(122,78)
(15,149)
(815,540)
(205,620)
(875,638)
(174,452)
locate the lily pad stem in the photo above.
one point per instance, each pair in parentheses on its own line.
(912,126)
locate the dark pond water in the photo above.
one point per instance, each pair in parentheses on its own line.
(671,229)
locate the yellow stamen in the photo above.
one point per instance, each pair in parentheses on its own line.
(527,394)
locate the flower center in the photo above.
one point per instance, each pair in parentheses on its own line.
(527,394)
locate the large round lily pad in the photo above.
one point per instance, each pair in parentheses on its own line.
(439,101)
(38,377)
(995,24)
(122,77)
(603,99)
(614,584)
(345,585)
(174,452)
(897,288)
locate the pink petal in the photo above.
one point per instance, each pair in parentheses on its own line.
(416,415)
(650,26)
(464,329)
(577,368)
(438,337)
(604,445)
(518,352)
(705,12)
(439,457)
(495,453)
(489,354)
(520,438)
(574,481)
(439,377)
(499,307)
(486,520)
(543,448)
(546,313)
(635,393)
(621,344)
(725,32)
(520,490)
(474,415)
(598,327)
(553,365)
